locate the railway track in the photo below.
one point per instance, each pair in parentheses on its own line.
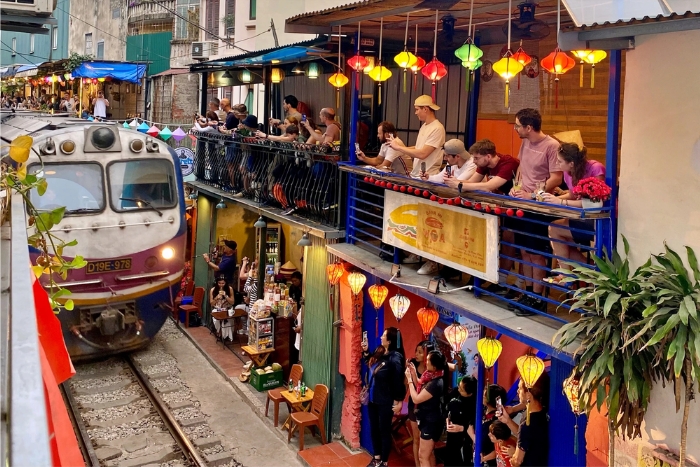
(133,411)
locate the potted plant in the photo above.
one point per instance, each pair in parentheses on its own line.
(672,299)
(592,192)
(611,372)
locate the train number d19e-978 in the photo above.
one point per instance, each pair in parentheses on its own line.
(94,267)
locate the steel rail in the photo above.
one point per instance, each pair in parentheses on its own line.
(188,449)
(79,426)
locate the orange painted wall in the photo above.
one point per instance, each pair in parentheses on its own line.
(501,133)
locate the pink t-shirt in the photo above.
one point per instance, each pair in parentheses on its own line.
(593,169)
(537,161)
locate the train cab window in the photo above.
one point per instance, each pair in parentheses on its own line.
(78,187)
(142,184)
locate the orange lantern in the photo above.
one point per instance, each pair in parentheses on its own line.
(428,318)
(358,62)
(456,334)
(530,368)
(521,57)
(334,272)
(572,388)
(557,63)
(377,293)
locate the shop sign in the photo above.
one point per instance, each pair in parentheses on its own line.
(186,156)
(464,240)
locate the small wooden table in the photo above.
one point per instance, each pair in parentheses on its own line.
(259,357)
(298,404)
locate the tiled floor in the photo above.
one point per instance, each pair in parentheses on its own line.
(334,455)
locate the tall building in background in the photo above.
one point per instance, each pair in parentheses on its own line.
(98,28)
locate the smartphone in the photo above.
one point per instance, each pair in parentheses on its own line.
(422,167)
(499,407)
(303,117)
(448,170)
(449,417)
(364,338)
(357,147)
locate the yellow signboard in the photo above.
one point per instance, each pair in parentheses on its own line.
(453,236)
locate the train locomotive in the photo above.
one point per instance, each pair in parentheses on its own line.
(123,195)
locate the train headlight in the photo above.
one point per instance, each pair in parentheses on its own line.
(103,138)
(168,252)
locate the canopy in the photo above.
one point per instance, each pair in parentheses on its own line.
(123,71)
(287,54)
(26,71)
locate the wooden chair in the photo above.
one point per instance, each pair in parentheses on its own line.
(275,395)
(400,433)
(189,289)
(313,418)
(196,305)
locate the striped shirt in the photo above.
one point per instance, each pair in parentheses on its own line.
(251,288)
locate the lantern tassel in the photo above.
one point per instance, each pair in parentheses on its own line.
(527,414)
(337,98)
(415,81)
(593,76)
(404,81)
(434,91)
(507,91)
(379,98)
(580,78)
(576,438)
(556,93)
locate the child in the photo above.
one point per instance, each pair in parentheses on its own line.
(504,441)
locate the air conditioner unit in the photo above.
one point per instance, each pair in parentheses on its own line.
(28,7)
(204,50)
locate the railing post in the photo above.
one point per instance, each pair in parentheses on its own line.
(609,234)
(354,108)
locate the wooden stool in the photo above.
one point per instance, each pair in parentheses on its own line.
(275,395)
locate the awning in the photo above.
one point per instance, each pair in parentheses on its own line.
(26,71)
(172,71)
(123,71)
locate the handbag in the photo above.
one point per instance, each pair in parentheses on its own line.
(364,392)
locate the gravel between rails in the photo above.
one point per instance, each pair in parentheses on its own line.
(116,412)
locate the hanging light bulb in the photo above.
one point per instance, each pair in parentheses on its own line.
(260,223)
(245,76)
(434,70)
(399,306)
(220,204)
(298,69)
(405,59)
(357,281)
(380,73)
(592,58)
(580,54)
(226,75)
(507,67)
(557,62)
(313,70)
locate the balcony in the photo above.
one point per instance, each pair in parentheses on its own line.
(292,180)
(139,12)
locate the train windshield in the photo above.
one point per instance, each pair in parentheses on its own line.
(79,187)
(142,184)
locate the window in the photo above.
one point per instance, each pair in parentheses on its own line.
(187,28)
(88,44)
(31,43)
(14,46)
(213,18)
(54,38)
(253,8)
(100,49)
(147,183)
(116,13)
(78,187)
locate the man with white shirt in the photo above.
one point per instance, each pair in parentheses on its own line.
(431,139)
(388,157)
(100,105)
(460,163)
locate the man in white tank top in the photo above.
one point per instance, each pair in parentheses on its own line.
(100,104)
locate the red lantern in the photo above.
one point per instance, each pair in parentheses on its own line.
(557,63)
(434,71)
(358,63)
(428,318)
(521,57)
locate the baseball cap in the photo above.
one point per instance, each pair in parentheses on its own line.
(455,147)
(426,101)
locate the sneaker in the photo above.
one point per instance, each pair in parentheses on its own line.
(536,303)
(498,289)
(512,294)
(289,211)
(411,259)
(520,299)
(428,269)
(374,463)
(238,195)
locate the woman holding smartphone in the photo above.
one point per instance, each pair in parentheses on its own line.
(386,391)
(221,298)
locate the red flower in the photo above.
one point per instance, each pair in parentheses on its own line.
(593,189)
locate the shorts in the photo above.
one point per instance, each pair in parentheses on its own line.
(430,430)
(528,233)
(411,412)
(581,238)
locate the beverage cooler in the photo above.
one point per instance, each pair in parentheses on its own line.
(273,244)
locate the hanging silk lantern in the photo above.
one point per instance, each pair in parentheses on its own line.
(405,59)
(507,68)
(572,388)
(530,368)
(489,350)
(456,334)
(276,75)
(370,65)
(357,281)
(595,56)
(428,318)
(399,306)
(358,63)
(338,80)
(469,54)
(101,80)
(380,73)
(245,76)
(580,54)
(557,63)
(434,70)
(377,293)
(523,58)
(334,272)
(313,70)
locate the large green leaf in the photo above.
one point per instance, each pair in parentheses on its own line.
(610,301)
(690,306)
(693,262)
(661,333)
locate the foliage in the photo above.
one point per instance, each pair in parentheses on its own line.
(50,261)
(75,60)
(593,189)
(612,372)
(229,20)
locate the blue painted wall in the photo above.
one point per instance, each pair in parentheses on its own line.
(43,52)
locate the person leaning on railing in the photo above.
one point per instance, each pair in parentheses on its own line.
(388,157)
(208,124)
(460,163)
(332,134)
(576,167)
(291,135)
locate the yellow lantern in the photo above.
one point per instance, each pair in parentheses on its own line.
(580,54)
(489,350)
(357,281)
(399,306)
(276,75)
(101,80)
(377,293)
(530,368)
(572,388)
(592,58)
(456,334)
(507,68)
(338,80)
(380,73)
(370,65)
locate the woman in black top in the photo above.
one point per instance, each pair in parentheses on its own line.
(422,349)
(427,393)
(461,414)
(488,450)
(386,392)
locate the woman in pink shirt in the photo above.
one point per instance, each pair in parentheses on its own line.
(576,166)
